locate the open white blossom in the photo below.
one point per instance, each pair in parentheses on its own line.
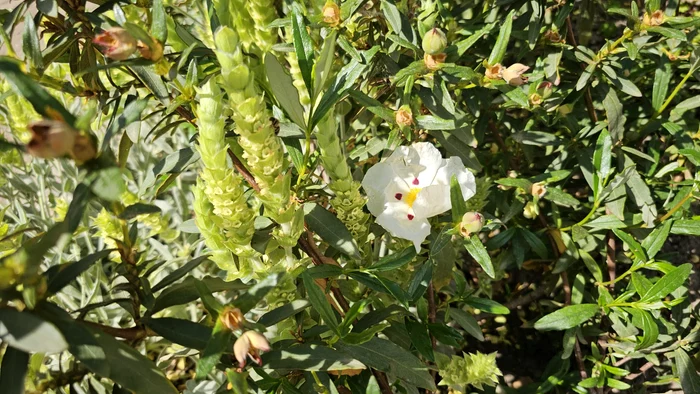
(412,185)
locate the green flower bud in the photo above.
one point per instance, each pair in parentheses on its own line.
(471,223)
(434,41)
(472,369)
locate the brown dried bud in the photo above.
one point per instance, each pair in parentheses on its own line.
(404,116)
(51,139)
(153,53)
(514,74)
(232,318)
(655,19)
(538,190)
(433,62)
(116,43)
(494,72)
(331,13)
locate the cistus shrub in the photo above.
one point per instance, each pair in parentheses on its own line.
(349,196)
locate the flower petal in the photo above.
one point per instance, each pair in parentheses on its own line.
(395,219)
(431,159)
(465,177)
(375,183)
(432,200)
(241,348)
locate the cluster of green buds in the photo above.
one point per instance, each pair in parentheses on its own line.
(472,369)
(263,13)
(348,202)
(434,44)
(262,149)
(109,228)
(223,213)
(19,112)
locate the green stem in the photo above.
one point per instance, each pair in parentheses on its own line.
(677,206)
(673,93)
(585,220)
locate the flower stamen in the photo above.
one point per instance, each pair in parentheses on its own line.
(411,196)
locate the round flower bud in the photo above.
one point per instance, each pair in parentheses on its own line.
(471,223)
(531,210)
(434,41)
(116,43)
(51,139)
(404,116)
(545,89)
(331,13)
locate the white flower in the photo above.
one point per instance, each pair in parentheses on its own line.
(412,185)
(250,343)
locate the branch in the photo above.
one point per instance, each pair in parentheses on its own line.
(131,333)
(238,165)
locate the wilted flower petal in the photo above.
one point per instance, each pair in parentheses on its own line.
(116,43)
(250,343)
(51,139)
(514,74)
(412,185)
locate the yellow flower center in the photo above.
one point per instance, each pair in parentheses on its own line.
(411,196)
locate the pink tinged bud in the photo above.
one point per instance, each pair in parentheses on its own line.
(472,223)
(434,41)
(250,343)
(514,74)
(545,89)
(51,139)
(116,43)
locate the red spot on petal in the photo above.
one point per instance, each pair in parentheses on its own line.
(410,217)
(415,181)
(398,196)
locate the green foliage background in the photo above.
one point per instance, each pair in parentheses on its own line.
(226,175)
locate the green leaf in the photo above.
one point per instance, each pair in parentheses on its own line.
(153,82)
(686,227)
(216,346)
(322,69)
(318,300)
(459,206)
(48,7)
(13,370)
(388,357)
(179,273)
(309,357)
(186,291)
(467,322)
(303,46)
(487,305)
(606,222)
(535,242)
(651,330)
(68,272)
(108,184)
(399,23)
(131,114)
(394,261)
(420,338)
(656,240)
(668,32)
(287,310)
(615,115)
(662,79)
(211,304)
(464,45)
(373,106)
(30,43)
(330,229)
(137,209)
(690,381)
(255,294)
(284,90)
(602,158)
(568,317)
(536,138)
(499,49)
(43,103)
(668,283)
(30,333)
(183,332)
(591,265)
(159,27)
(477,250)
(344,80)
(634,246)
(421,280)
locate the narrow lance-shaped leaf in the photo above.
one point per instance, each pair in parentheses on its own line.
(499,49)
(567,317)
(303,46)
(318,300)
(284,90)
(477,250)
